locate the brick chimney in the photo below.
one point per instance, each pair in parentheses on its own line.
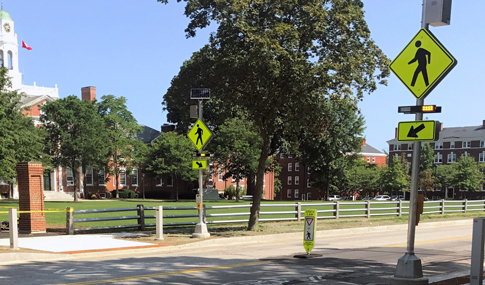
(88,93)
(483,124)
(167,128)
(395,133)
(441,127)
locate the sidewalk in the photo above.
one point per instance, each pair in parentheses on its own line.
(54,246)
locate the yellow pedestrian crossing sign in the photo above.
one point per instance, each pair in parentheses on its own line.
(309,230)
(418,131)
(199,134)
(422,64)
(199,164)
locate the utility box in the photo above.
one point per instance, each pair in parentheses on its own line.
(438,12)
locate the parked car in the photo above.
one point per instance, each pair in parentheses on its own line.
(346,198)
(382,198)
(397,197)
(333,197)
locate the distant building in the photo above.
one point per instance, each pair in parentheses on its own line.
(452,144)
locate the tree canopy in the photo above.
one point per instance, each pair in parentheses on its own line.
(276,61)
(20,140)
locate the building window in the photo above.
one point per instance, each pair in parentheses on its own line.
(452,144)
(297,180)
(465,154)
(288,193)
(134,177)
(69,177)
(170,181)
(482,143)
(308,196)
(373,159)
(9,54)
(297,166)
(438,158)
(282,155)
(466,144)
(101,178)
(290,166)
(451,157)
(481,156)
(89,176)
(410,146)
(368,159)
(290,156)
(397,147)
(2,182)
(220,176)
(122,178)
(308,184)
(438,145)
(158,181)
(296,193)
(289,180)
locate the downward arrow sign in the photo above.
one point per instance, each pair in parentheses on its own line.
(413,132)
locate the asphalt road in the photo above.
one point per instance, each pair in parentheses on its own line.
(360,258)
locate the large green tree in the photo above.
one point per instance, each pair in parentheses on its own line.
(236,148)
(125,150)
(362,177)
(466,175)
(75,134)
(395,177)
(20,140)
(426,157)
(172,154)
(444,174)
(275,61)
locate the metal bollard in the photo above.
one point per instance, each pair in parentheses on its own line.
(476,269)
(13,229)
(159,222)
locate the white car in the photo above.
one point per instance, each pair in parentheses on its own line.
(333,197)
(382,198)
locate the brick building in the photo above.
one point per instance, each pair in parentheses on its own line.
(452,144)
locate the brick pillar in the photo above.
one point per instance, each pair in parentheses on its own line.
(31,197)
(88,93)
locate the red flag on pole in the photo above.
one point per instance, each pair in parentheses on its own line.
(24,45)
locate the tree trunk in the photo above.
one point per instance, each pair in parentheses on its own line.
(117,194)
(255,207)
(84,179)
(176,191)
(237,191)
(74,174)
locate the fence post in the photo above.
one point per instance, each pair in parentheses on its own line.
(442,206)
(159,222)
(400,209)
(465,205)
(13,229)
(69,221)
(336,208)
(141,217)
(367,208)
(298,211)
(204,217)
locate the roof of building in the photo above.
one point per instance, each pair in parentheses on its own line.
(147,135)
(457,133)
(4,15)
(368,150)
(29,101)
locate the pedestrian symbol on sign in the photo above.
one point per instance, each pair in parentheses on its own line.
(421,56)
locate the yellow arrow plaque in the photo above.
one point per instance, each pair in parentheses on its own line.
(199,134)
(199,164)
(422,64)
(418,131)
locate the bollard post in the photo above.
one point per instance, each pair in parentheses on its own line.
(400,208)
(141,217)
(298,211)
(367,207)
(442,206)
(13,229)
(465,204)
(69,221)
(159,223)
(476,268)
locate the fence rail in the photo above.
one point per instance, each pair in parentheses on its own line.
(291,212)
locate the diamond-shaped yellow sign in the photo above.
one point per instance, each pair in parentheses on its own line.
(199,134)
(422,64)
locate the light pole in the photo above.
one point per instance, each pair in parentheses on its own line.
(143,184)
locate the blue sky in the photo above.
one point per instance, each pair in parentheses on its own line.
(135,48)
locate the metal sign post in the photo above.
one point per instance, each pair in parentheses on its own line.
(201,227)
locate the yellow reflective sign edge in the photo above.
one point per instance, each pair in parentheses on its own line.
(309,229)
(421,76)
(200,134)
(199,164)
(418,131)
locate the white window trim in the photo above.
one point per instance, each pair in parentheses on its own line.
(282,155)
(466,144)
(103,174)
(481,157)
(170,185)
(452,144)
(450,157)
(290,156)
(438,158)
(290,167)
(288,193)
(308,184)
(220,176)
(297,166)
(69,182)
(159,181)
(410,146)
(438,145)
(373,159)
(297,180)
(289,180)
(296,193)
(482,143)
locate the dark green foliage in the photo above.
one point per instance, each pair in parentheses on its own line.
(126,193)
(395,177)
(466,174)
(20,140)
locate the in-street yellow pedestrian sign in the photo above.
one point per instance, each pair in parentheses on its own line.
(422,64)
(199,164)
(309,229)
(199,134)
(418,131)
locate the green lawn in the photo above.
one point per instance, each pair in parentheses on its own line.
(347,208)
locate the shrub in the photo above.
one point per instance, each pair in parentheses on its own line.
(126,193)
(231,191)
